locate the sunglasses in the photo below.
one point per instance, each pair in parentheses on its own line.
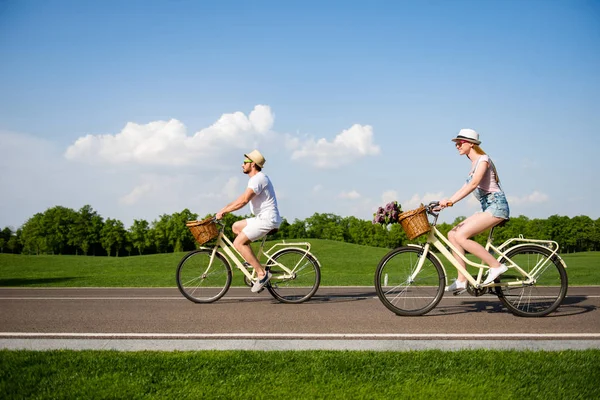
(461,142)
(247,161)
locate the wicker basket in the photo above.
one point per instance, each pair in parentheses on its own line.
(204,230)
(414,222)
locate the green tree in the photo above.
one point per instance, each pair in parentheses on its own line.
(139,235)
(112,236)
(33,236)
(160,229)
(56,224)
(582,231)
(85,230)
(297,230)
(128,243)
(5,235)
(325,226)
(178,233)
(13,243)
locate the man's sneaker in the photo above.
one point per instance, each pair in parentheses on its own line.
(259,284)
(456,286)
(493,273)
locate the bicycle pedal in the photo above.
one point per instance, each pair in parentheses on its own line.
(459,292)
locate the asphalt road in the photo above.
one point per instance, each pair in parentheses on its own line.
(336,318)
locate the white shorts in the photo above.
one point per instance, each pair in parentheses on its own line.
(257,228)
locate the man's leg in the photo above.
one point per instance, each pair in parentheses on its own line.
(242,244)
(238,226)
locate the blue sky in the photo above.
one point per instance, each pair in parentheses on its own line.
(144,108)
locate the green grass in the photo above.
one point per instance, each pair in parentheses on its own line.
(434,374)
(342,264)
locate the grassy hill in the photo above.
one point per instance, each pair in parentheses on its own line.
(342,264)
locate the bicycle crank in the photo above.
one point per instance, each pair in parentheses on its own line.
(473,291)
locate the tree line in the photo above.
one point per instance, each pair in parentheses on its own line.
(61,230)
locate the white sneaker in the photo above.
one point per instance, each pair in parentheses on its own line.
(493,273)
(259,284)
(456,286)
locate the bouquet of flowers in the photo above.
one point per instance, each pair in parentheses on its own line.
(388,214)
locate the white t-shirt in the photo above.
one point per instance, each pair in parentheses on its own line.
(264,204)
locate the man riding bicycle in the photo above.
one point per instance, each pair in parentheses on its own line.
(263,204)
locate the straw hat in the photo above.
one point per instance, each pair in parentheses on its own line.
(468,135)
(256,158)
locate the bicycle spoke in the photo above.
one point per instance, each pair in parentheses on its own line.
(403,292)
(294,286)
(548,288)
(204,287)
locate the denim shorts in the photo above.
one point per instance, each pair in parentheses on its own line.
(495,203)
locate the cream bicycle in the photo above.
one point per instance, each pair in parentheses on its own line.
(204,275)
(410,280)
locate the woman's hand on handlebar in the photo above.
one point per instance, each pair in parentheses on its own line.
(445,203)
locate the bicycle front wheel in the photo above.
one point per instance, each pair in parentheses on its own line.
(201,280)
(403,293)
(542,296)
(300,278)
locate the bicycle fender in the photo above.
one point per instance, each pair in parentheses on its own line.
(535,245)
(298,248)
(434,256)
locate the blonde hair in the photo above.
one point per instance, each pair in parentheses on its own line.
(478,150)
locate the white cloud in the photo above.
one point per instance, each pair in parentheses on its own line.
(352,195)
(415,201)
(345,148)
(231,189)
(533,198)
(136,194)
(167,143)
(389,196)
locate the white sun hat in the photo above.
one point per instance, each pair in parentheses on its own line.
(468,135)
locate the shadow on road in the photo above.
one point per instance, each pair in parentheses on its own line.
(12,282)
(570,306)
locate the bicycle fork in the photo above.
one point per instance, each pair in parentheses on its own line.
(420,262)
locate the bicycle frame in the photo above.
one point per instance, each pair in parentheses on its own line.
(441,243)
(234,255)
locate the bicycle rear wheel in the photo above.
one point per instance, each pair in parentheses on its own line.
(201,281)
(299,285)
(545,294)
(402,294)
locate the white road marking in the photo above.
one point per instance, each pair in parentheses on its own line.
(316,297)
(300,335)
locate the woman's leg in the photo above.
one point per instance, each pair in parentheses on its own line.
(460,236)
(452,237)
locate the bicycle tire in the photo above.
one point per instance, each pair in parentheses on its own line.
(303,284)
(543,296)
(198,284)
(398,293)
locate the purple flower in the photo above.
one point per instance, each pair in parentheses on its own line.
(387,214)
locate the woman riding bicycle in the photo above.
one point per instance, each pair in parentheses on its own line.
(484,183)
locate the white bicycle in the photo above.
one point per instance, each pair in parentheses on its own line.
(204,275)
(410,280)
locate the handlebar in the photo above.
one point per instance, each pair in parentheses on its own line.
(433,207)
